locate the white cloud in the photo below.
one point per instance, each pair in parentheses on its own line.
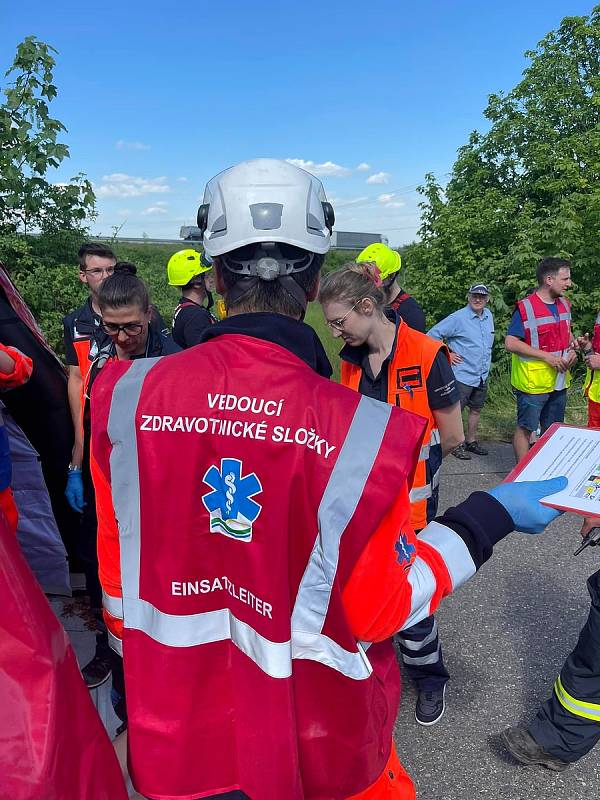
(182,179)
(153,210)
(124,212)
(379,177)
(327,168)
(121,185)
(390,200)
(363,167)
(122,144)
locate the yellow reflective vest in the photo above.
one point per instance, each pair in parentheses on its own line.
(544,332)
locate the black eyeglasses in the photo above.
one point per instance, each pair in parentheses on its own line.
(130,328)
(97,272)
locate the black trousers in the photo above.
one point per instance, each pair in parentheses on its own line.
(568,724)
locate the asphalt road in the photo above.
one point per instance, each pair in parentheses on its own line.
(505,635)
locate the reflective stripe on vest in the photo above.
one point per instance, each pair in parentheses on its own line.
(433,440)
(579,708)
(342,493)
(532,323)
(114,605)
(424,492)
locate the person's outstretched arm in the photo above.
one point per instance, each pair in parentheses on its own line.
(400,579)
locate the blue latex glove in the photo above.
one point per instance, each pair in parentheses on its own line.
(74,491)
(521,500)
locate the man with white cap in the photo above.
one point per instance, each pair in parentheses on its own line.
(469,333)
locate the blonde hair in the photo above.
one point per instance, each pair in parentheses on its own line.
(353,282)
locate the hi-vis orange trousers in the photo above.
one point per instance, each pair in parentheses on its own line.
(393,783)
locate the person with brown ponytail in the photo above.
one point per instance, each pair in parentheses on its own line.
(387,360)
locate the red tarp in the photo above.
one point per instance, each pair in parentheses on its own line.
(52,742)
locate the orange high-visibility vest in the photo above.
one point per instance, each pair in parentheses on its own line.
(408,371)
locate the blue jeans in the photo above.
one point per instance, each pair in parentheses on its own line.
(541,410)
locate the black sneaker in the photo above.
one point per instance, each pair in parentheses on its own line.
(475,447)
(97,671)
(521,744)
(430,706)
(460,452)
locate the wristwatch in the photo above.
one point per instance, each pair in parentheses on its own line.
(74,468)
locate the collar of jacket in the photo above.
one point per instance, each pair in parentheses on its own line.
(357,355)
(293,335)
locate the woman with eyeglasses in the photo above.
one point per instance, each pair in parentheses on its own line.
(385,359)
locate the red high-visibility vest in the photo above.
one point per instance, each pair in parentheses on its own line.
(243,508)
(544,332)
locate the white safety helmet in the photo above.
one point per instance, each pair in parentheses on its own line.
(265,200)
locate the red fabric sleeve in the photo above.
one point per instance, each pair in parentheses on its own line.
(378,595)
(20,374)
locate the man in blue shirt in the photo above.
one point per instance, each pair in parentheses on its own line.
(469,334)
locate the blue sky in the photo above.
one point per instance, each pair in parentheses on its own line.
(159,97)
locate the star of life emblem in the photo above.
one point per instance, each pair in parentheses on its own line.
(229,503)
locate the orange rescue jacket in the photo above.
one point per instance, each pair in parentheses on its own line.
(408,371)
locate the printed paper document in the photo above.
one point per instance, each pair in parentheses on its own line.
(575,453)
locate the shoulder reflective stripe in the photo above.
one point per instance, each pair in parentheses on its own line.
(115,643)
(566,317)
(318,647)
(419,493)
(190,630)
(124,470)
(342,493)
(598,319)
(530,322)
(416,661)
(577,707)
(540,321)
(114,605)
(452,549)
(424,454)
(409,644)
(423,584)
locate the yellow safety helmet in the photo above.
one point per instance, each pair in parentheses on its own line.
(184,265)
(387,260)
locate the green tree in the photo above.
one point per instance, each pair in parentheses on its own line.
(30,148)
(526,189)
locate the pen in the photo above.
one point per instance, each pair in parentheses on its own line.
(590,540)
